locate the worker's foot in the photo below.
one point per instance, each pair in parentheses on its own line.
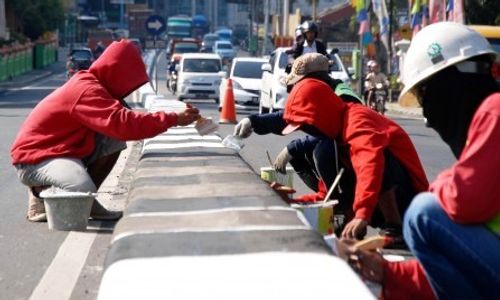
(36,209)
(394,232)
(100,213)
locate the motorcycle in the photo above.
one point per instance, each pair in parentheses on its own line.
(172,82)
(380,98)
(376,98)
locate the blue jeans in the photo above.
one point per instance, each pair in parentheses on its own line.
(461,261)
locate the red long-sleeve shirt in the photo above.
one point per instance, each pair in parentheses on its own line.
(366,133)
(64,123)
(468,192)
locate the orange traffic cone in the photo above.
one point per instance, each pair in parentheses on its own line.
(228,112)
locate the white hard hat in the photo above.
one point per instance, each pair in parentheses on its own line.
(438,46)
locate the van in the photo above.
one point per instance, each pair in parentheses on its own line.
(199,76)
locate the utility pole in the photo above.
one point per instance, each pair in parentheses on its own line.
(314,10)
(286,9)
(266,26)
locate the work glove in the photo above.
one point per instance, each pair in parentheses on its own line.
(243,129)
(282,160)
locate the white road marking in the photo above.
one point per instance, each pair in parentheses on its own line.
(61,276)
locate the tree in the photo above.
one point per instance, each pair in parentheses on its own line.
(484,12)
(36,16)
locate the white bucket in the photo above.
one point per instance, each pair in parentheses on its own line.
(319,215)
(67,211)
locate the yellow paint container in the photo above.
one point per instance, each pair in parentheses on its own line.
(319,215)
(269,174)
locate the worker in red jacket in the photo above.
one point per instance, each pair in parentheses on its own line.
(73,137)
(454,229)
(377,149)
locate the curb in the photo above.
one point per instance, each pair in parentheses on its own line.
(199,223)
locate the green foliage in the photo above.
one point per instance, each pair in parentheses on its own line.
(483,12)
(37,16)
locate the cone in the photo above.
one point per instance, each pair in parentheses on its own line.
(228,111)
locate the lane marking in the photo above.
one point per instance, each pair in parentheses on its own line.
(61,276)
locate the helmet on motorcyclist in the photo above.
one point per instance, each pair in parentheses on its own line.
(439,46)
(310,26)
(299,36)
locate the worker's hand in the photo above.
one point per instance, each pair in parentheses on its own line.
(243,129)
(355,229)
(188,116)
(282,160)
(369,264)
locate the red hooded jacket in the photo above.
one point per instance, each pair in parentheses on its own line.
(366,133)
(64,123)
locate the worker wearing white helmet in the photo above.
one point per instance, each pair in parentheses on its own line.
(454,229)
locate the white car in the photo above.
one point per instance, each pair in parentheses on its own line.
(337,69)
(199,76)
(225,50)
(273,94)
(246,74)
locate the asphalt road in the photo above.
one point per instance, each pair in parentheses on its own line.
(32,258)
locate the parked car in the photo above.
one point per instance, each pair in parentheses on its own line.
(246,76)
(208,43)
(273,94)
(199,76)
(83,57)
(225,50)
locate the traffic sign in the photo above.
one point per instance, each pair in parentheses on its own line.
(155,25)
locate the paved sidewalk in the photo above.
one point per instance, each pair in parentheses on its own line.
(394,107)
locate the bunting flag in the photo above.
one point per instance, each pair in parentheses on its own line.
(364,26)
(416,16)
(437,11)
(455,11)
(380,10)
(425,13)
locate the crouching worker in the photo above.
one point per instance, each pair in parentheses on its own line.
(73,137)
(314,159)
(453,231)
(386,165)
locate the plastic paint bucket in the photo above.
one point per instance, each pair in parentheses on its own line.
(67,211)
(319,215)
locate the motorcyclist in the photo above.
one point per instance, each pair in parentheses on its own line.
(305,42)
(172,73)
(374,80)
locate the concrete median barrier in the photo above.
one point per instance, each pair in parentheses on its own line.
(200,224)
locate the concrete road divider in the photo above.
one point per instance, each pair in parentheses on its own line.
(200,224)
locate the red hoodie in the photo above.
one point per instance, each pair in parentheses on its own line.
(365,132)
(64,123)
